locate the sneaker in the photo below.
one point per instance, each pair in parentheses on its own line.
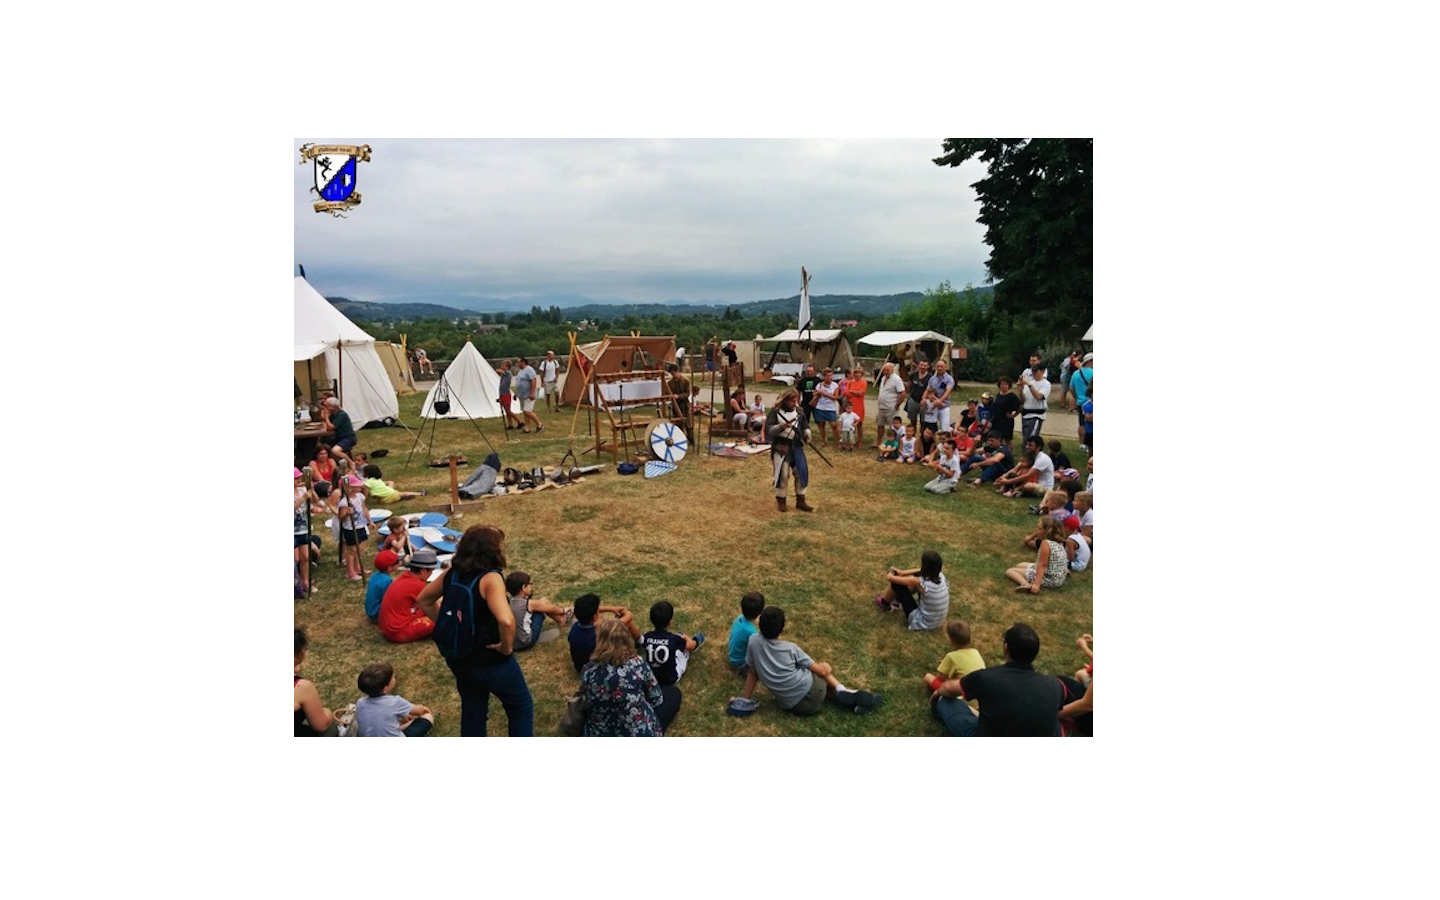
(699,638)
(1034,510)
(896,606)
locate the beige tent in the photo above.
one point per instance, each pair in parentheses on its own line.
(822,346)
(392,357)
(612,355)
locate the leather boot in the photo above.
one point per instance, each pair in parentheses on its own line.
(801,505)
(780,503)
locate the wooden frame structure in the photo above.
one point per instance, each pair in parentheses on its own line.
(622,374)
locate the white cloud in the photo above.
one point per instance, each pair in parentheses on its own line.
(729,220)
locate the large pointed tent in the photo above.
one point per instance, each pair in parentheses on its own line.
(471,385)
(330,347)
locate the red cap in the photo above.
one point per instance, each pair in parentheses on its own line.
(386,560)
(1072,522)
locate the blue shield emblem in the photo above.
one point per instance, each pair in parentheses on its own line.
(335,176)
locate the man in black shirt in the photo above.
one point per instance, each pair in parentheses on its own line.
(918,380)
(807,384)
(1015,700)
(1003,410)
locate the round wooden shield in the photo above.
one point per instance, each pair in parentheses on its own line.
(667,441)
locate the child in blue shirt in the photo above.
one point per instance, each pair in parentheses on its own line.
(740,630)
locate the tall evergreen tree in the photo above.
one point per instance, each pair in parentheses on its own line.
(1036,203)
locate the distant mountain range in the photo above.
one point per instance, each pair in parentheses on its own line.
(823,306)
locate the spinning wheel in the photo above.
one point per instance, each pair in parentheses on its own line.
(667,441)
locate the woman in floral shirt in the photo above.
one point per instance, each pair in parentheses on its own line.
(621,692)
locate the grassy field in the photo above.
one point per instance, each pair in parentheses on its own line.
(701,537)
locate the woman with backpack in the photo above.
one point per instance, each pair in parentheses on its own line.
(475,632)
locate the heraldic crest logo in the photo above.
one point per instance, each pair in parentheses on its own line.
(335,170)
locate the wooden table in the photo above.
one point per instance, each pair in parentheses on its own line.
(307,441)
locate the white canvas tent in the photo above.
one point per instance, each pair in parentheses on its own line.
(330,347)
(1089,334)
(931,344)
(471,385)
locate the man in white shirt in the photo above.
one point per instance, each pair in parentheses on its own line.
(549,378)
(891,395)
(1035,397)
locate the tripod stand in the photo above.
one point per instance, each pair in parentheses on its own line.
(439,408)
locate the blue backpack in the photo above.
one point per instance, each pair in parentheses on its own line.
(457,632)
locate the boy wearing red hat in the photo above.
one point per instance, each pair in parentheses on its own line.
(379,582)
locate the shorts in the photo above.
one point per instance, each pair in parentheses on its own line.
(418,728)
(505,402)
(550,388)
(826,415)
(301,540)
(527,404)
(810,704)
(347,537)
(347,444)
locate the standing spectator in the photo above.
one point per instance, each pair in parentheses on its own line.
(827,405)
(889,395)
(1025,373)
(806,385)
(937,395)
(731,357)
(855,390)
(1078,390)
(1015,700)
(1035,395)
(1087,416)
(1003,410)
(477,572)
(918,380)
(1068,368)
(711,356)
(525,385)
(680,357)
(549,377)
(506,397)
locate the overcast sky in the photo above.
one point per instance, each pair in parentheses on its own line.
(642,220)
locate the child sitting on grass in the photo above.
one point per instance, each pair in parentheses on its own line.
(1051,563)
(379,583)
(800,684)
(382,714)
(740,630)
(398,540)
(959,662)
(667,652)
(530,612)
(1077,547)
(890,447)
(907,445)
(582,633)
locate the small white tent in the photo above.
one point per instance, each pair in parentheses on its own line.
(328,347)
(470,384)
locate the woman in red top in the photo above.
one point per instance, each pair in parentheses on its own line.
(322,467)
(855,390)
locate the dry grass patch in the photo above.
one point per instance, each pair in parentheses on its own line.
(701,537)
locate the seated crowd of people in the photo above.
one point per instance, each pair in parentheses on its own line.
(479,615)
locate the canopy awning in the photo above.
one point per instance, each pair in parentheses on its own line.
(818,335)
(1089,334)
(895,338)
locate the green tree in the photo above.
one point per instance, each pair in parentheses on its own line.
(1036,203)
